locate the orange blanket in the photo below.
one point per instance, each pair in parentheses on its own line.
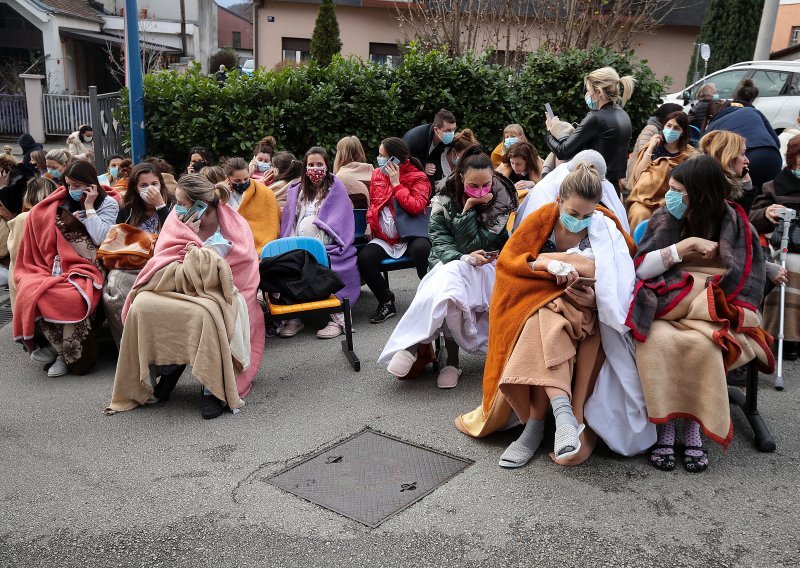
(260,208)
(518,293)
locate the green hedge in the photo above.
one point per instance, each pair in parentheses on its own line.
(309,105)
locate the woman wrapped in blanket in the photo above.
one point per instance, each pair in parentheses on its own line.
(701,277)
(467,230)
(194,303)
(557,334)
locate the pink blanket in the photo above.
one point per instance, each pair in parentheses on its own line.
(171,247)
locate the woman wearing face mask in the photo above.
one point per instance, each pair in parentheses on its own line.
(261,164)
(558,337)
(144,211)
(699,111)
(606,128)
(254,202)
(694,314)
(650,178)
(783,192)
(512,134)
(80,143)
(112,176)
(393,185)
(462,140)
(199,158)
(58,255)
(56,163)
(318,206)
(194,303)
(352,169)
(288,169)
(467,230)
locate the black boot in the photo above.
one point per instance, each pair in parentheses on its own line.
(790,351)
(212,407)
(167,383)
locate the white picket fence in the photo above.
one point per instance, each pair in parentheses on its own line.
(64,114)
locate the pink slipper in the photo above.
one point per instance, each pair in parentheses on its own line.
(401,363)
(448,377)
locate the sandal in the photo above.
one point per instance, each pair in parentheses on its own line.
(695,464)
(664,462)
(567,437)
(516,455)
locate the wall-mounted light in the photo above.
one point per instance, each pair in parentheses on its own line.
(270,18)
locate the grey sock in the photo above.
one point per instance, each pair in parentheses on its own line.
(562,410)
(532,435)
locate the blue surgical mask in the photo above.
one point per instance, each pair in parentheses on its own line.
(574,225)
(674,203)
(590,103)
(113,172)
(180,210)
(715,97)
(510,141)
(670,135)
(263,166)
(797,172)
(447,137)
(54,173)
(76,194)
(382,161)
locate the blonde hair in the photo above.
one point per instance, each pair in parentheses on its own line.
(724,147)
(59,155)
(214,174)
(614,88)
(37,189)
(516,130)
(197,187)
(585,181)
(348,150)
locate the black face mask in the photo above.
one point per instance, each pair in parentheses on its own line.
(240,187)
(198,165)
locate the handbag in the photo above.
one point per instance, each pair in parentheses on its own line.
(411,226)
(126,247)
(794,237)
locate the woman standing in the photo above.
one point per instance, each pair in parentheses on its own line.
(351,167)
(606,128)
(80,143)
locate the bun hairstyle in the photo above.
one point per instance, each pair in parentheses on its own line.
(265,146)
(746,91)
(197,187)
(463,140)
(398,148)
(214,174)
(234,165)
(473,158)
(584,181)
(615,88)
(59,155)
(288,166)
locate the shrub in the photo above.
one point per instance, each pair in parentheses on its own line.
(226,56)
(307,105)
(325,41)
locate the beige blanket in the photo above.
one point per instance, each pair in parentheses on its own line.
(16,228)
(682,365)
(187,313)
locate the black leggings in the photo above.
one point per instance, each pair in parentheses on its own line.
(370,257)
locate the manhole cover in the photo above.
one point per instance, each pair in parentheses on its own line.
(369,476)
(5,311)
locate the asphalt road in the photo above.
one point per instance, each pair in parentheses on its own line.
(159,486)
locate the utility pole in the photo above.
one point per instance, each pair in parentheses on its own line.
(133,76)
(183,28)
(766,30)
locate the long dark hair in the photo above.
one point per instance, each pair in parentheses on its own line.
(84,172)
(133,201)
(398,148)
(706,188)
(307,189)
(473,158)
(527,152)
(683,121)
(288,166)
(205,154)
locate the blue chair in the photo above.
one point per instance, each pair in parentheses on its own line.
(638,232)
(389,264)
(280,312)
(360,218)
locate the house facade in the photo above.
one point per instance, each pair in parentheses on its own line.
(787,30)
(234,31)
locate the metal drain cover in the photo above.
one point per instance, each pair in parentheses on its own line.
(369,476)
(5,309)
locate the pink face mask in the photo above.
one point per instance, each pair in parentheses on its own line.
(316,175)
(477,191)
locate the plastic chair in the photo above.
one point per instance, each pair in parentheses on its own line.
(280,312)
(694,135)
(360,218)
(638,232)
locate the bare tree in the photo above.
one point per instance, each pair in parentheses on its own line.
(152,57)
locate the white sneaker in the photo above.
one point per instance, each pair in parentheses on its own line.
(44,355)
(58,369)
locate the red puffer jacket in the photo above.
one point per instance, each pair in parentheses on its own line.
(412,193)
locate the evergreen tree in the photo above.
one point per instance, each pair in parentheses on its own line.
(325,41)
(730,28)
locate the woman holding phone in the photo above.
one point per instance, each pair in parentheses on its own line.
(193,304)
(399,181)
(467,229)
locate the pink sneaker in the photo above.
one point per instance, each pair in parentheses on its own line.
(330,331)
(291,328)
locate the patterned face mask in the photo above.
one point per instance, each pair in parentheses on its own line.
(316,174)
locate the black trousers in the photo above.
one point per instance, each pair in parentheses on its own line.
(370,257)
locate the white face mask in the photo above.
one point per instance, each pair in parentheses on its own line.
(88,138)
(154,186)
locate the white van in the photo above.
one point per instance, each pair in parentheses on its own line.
(778,85)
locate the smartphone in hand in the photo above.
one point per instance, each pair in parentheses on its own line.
(392,160)
(582,282)
(549,110)
(199,207)
(491,254)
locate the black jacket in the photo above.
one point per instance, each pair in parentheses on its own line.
(297,277)
(419,140)
(608,131)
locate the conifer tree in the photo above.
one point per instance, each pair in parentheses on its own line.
(325,41)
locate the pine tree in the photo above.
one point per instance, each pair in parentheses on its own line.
(730,28)
(325,41)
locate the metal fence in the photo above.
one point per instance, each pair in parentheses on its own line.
(13,115)
(64,114)
(107,131)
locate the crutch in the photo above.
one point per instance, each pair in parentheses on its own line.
(787,215)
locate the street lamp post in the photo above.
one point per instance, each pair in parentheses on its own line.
(133,76)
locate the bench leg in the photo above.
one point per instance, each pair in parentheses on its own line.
(347,342)
(763,439)
(437,344)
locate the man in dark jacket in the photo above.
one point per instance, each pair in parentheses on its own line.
(28,145)
(428,142)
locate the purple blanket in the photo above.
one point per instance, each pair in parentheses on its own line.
(335,217)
